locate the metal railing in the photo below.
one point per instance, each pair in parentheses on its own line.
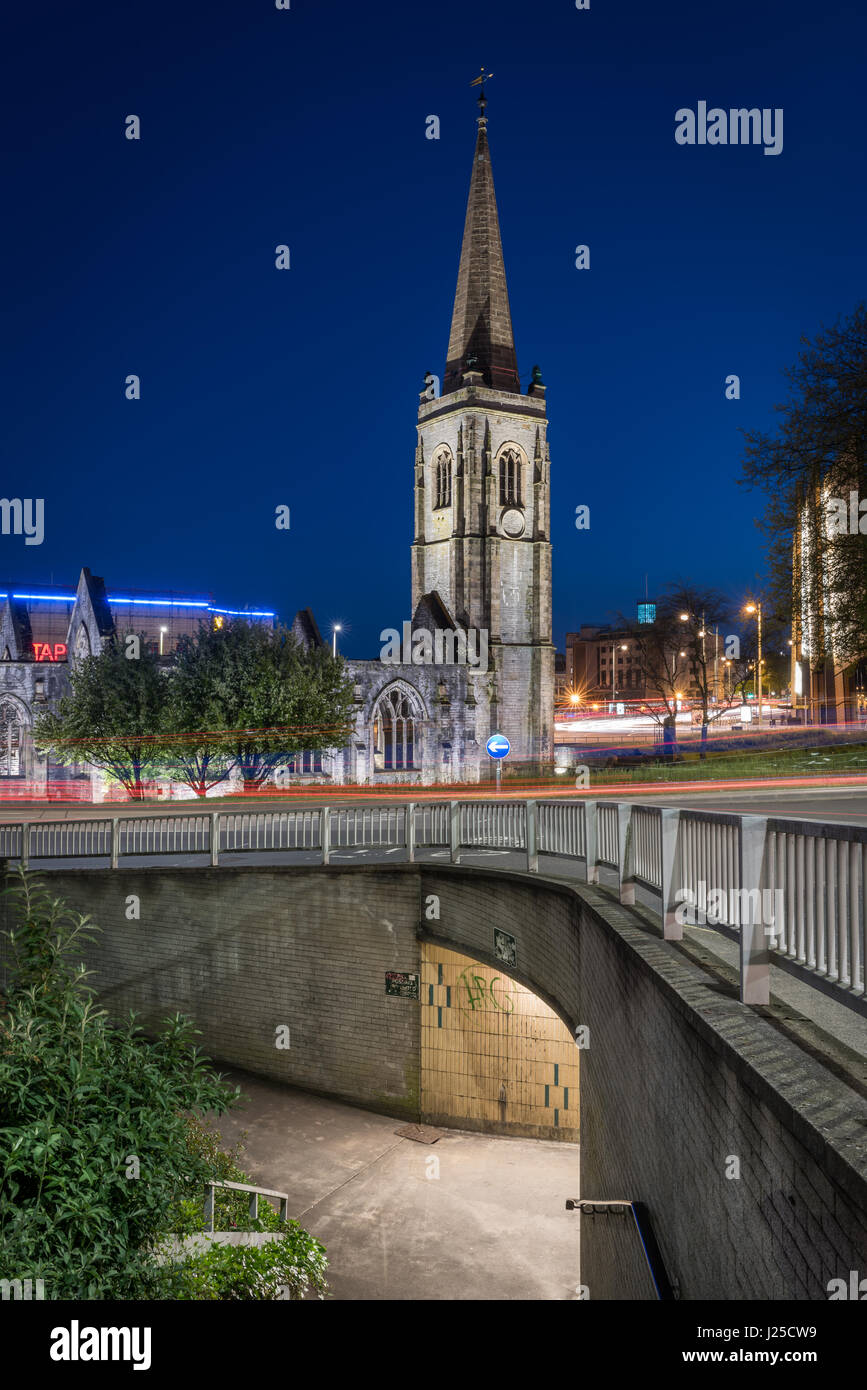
(650,1254)
(254,1193)
(267,830)
(493,824)
(794,892)
(70,839)
(647,846)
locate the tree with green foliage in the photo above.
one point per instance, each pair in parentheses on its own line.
(677,652)
(194,728)
(255,695)
(100,1157)
(113,717)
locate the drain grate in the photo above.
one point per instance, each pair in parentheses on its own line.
(420,1134)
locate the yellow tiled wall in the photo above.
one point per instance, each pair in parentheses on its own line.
(493,1056)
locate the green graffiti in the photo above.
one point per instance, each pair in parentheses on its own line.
(476,995)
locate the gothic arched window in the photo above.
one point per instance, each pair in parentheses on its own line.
(10,740)
(510,479)
(394,724)
(82,643)
(443,480)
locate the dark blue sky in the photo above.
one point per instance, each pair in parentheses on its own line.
(260,387)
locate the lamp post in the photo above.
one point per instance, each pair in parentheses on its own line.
(623,648)
(334,631)
(162,631)
(757,609)
(684,618)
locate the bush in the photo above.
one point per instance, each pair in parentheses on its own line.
(99,1154)
(296,1263)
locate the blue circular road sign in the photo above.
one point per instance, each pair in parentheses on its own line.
(498,745)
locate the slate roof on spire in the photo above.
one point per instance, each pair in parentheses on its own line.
(481,337)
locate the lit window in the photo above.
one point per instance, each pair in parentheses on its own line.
(510,479)
(10,741)
(394,724)
(443,480)
(305,762)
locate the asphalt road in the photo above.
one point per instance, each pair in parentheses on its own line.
(846,805)
(842,804)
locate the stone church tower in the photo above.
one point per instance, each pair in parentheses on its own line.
(482,486)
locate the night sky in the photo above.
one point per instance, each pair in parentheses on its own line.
(263,388)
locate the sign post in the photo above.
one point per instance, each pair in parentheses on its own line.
(498,747)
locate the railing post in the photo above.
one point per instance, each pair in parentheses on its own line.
(755,953)
(532,826)
(672,930)
(591,833)
(624,854)
(455,831)
(215,838)
(410,832)
(325,833)
(115,841)
(25,844)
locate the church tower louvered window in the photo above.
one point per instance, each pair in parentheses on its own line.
(510,479)
(442,480)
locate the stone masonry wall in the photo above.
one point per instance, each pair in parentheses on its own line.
(679,1079)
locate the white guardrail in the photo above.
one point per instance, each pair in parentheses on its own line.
(791,892)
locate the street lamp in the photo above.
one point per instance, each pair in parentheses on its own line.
(162,630)
(335,628)
(702,633)
(757,609)
(623,648)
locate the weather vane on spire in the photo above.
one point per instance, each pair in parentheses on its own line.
(480,81)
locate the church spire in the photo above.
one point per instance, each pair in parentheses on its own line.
(481,337)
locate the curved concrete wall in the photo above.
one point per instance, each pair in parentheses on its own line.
(678,1077)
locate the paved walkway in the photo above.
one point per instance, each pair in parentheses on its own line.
(491,1225)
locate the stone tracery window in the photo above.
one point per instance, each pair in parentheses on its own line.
(442,480)
(394,731)
(510,479)
(10,740)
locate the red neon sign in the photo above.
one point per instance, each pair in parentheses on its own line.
(44,651)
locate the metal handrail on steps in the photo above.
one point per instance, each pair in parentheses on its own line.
(255,1194)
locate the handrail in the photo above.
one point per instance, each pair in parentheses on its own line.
(253,1206)
(646,1234)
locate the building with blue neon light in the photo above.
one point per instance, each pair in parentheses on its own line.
(44,632)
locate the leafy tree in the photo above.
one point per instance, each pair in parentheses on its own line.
(819,446)
(677,656)
(260,695)
(113,716)
(194,717)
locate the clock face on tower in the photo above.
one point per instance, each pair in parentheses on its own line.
(512,523)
